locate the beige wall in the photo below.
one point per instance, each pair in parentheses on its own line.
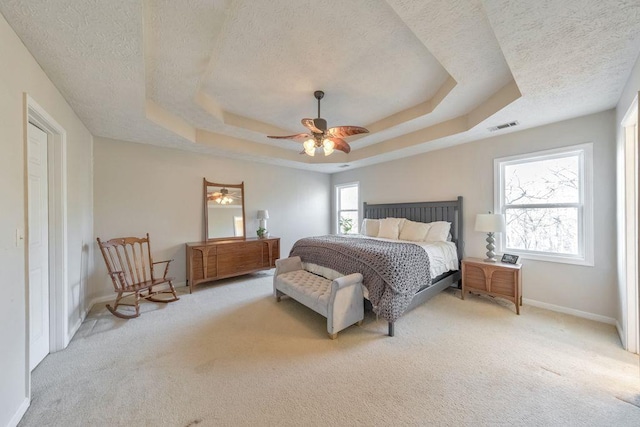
(20,73)
(467,170)
(141,188)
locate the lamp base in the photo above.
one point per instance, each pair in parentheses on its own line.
(491,256)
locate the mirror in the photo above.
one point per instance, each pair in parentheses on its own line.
(223,211)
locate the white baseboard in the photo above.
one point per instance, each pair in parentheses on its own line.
(99,300)
(19,413)
(74,329)
(572,311)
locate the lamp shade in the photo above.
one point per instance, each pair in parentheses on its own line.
(490,223)
(263,214)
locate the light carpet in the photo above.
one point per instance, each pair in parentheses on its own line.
(228,355)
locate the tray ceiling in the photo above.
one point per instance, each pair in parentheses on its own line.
(217,76)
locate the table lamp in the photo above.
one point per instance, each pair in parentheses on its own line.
(490,224)
(263,216)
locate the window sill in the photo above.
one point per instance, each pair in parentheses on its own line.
(549,258)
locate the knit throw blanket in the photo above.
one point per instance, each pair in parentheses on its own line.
(393,272)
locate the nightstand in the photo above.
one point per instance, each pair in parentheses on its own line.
(497,279)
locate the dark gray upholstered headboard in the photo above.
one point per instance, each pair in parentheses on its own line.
(450,211)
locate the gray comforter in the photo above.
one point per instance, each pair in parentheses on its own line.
(393,272)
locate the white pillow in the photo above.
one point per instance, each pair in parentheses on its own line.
(370,227)
(438,232)
(390,228)
(414,231)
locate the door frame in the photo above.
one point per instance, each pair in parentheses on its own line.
(57,183)
(630,223)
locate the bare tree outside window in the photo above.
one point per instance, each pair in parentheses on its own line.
(542,205)
(347,208)
(547,200)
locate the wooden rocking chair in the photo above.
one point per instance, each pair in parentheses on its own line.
(131,268)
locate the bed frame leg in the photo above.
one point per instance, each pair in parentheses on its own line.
(391,331)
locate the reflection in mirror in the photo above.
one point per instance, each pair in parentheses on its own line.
(224,211)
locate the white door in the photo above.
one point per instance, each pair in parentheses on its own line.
(38,246)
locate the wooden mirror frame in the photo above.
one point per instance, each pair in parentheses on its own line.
(206,210)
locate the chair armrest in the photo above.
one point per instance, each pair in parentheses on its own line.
(115,273)
(286,265)
(166,268)
(344,281)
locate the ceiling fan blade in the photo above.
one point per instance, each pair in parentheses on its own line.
(311,125)
(341,144)
(300,137)
(345,131)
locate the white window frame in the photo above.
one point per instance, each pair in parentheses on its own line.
(339,209)
(585,205)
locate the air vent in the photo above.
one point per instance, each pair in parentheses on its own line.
(504,126)
(343,166)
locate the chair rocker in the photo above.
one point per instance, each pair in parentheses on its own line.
(131,269)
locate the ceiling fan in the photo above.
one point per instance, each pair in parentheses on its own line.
(222,197)
(320,136)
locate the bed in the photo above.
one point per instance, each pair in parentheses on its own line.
(402,285)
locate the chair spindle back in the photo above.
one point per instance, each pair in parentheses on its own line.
(129,255)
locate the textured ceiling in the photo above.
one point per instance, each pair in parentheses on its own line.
(216,76)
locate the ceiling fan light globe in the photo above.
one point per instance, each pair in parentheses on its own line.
(311,151)
(309,144)
(328,146)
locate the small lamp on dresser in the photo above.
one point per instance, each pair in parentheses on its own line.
(490,224)
(263,216)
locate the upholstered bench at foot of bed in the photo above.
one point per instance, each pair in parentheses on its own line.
(341,301)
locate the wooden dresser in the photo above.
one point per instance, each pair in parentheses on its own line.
(214,260)
(493,278)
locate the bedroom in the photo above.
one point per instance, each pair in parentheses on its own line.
(110,178)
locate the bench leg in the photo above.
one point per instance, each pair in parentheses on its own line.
(333,336)
(391,331)
(279,295)
(360,323)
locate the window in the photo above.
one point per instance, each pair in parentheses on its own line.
(347,208)
(546,198)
